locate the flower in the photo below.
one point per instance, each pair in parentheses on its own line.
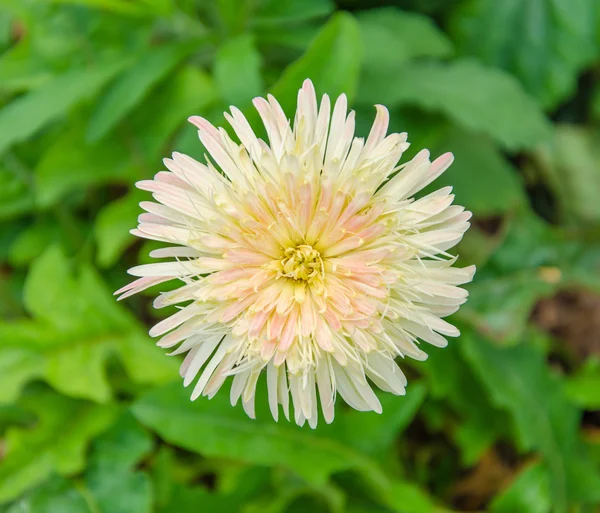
(306,257)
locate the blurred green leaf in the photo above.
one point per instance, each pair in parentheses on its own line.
(378,433)
(190,91)
(407,497)
(188,499)
(33,240)
(528,493)
(112,227)
(451,380)
(56,443)
(544,43)
(482,179)
(114,486)
(76,326)
(500,306)
(215,429)
(57,495)
(462,90)
(21,69)
(16,196)
(135,8)
(24,116)
(282,11)
(332,62)
(570,164)
(133,86)
(392,37)
(237,71)
(519,381)
(584,386)
(70,164)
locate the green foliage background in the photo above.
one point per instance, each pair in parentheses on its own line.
(93,417)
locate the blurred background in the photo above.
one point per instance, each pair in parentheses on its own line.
(93,417)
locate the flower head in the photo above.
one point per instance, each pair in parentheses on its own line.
(306,257)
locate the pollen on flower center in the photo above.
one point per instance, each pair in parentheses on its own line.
(302,263)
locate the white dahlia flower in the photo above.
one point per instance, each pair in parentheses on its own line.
(307,257)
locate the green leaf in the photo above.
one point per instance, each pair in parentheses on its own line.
(71,164)
(133,86)
(55,495)
(392,37)
(56,443)
(16,194)
(114,486)
(451,380)
(190,91)
(518,380)
(407,497)
(570,164)
(112,226)
(21,68)
(500,306)
(282,11)
(583,386)
(378,433)
(237,71)
(186,500)
(76,326)
(29,113)
(544,43)
(332,62)
(462,90)
(528,493)
(482,179)
(215,429)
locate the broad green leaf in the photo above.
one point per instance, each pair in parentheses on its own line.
(54,496)
(133,85)
(112,227)
(56,443)
(187,500)
(332,62)
(546,43)
(17,368)
(114,485)
(190,91)
(392,36)
(518,381)
(22,69)
(407,497)
(282,11)
(501,306)
(583,388)
(482,179)
(136,8)
(77,325)
(33,240)
(16,194)
(528,493)
(215,429)
(451,380)
(27,114)
(378,433)
(570,164)
(70,165)
(463,90)
(237,71)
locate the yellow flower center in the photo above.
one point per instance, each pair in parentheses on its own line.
(302,263)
